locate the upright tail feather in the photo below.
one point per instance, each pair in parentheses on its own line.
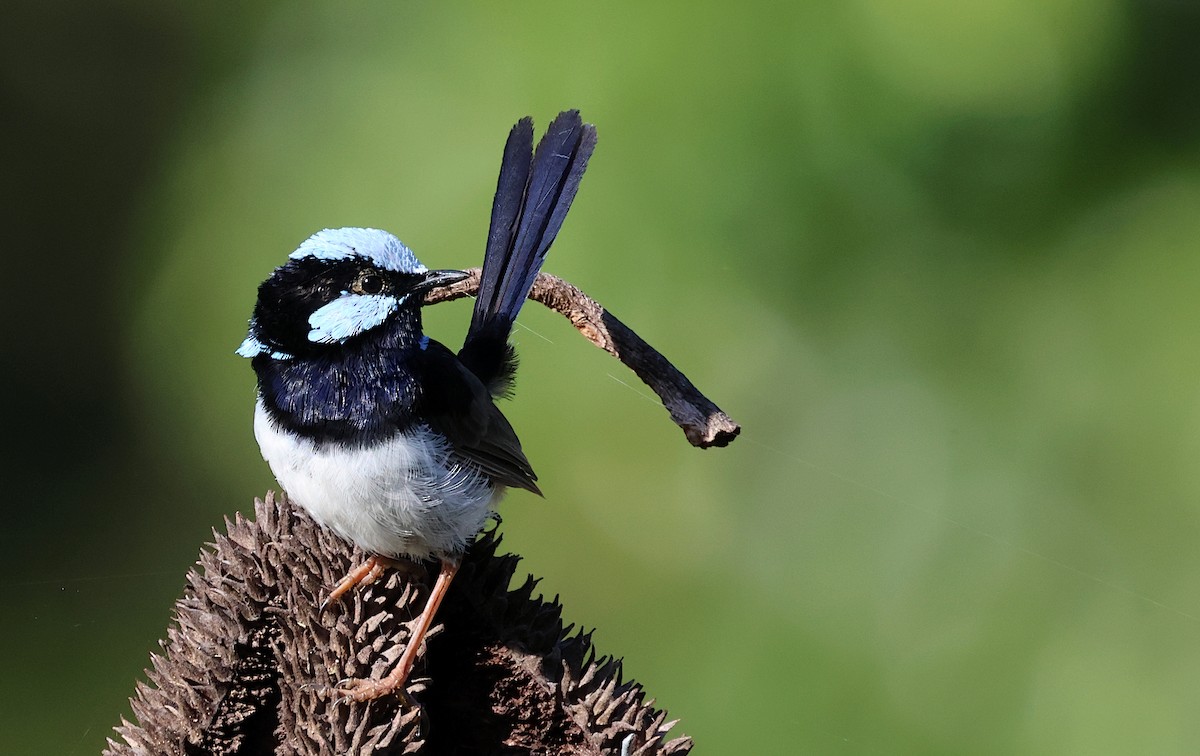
(532,199)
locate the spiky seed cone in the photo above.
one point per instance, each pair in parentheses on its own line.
(247,664)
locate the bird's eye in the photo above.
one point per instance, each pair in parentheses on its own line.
(367,282)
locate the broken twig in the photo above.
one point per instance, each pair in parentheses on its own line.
(702,422)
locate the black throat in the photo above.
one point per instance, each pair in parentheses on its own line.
(357,392)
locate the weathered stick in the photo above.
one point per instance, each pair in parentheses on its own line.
(702,422)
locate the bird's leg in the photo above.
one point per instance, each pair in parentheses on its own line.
(365,574)
(365,690)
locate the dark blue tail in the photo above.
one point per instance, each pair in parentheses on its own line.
(532,199)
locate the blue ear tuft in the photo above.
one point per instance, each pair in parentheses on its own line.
(350,315)
(252,347)
(378,247)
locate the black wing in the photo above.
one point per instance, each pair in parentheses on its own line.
(456,404)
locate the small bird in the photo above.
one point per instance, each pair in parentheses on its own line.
(382,434)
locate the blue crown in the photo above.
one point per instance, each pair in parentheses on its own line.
(379,247)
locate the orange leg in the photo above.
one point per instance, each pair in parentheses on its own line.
(365,690)
(366,573)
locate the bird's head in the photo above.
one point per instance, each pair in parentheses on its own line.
(338,285)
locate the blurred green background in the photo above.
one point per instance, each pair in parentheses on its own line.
(939,258)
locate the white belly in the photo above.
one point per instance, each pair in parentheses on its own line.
(404,496)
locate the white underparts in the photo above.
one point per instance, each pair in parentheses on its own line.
(403,496)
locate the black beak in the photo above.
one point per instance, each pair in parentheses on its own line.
(437,278)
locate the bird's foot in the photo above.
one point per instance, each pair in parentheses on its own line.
(359,690)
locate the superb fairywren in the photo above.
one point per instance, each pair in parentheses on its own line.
(384,435)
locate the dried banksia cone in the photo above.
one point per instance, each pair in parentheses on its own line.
(247,666)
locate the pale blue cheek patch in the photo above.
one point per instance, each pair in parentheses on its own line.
(350,315)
